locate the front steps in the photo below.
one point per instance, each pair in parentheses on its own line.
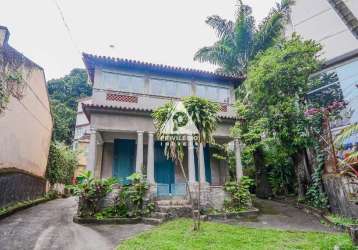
(168,209)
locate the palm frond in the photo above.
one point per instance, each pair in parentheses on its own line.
(345,134)
(224,28)
(271,27)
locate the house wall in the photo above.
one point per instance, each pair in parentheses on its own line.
(26,127)
(317,20)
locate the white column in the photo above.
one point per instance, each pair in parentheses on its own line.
(239,173)
(92,151)
(139,158)
(191,163)
(150,159)
(201,164)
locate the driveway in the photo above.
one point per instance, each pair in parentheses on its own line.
(49,226)
(282,216)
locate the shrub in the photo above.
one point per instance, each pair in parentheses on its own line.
(240,194)
(130,200)
(61,164)
(91,191)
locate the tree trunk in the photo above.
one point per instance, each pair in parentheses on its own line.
(300,166)
(263,188)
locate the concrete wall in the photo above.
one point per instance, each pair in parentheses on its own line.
(317,20)
(26,127)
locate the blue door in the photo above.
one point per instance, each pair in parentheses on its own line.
(123,159)
(207,164)
(163,169)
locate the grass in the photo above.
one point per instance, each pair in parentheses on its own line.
(178,234)
(341,220)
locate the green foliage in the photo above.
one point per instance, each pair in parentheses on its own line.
(240,41)
(240,194)
(62,162)
(64,94)
(270,108)
(91,191)
(204,114)
(341,220)
(316,196)
(223,153)
(130,200)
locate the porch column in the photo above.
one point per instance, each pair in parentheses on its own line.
(139,158)
(201,164)
(92,151)
(150,159)
(191,163)
(239,173)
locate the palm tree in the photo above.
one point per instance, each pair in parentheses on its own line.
(240,41)
(204,115)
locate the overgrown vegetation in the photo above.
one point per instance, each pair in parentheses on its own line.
(15,70)
(341,220)
(62,162)
(91,192)
(64,94)
(240,195)
(127,201)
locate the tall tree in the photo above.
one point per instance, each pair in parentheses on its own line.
(240,40)
(64,94)
(271,111)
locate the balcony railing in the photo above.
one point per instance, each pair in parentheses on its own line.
(144,101)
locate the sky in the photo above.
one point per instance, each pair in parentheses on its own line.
(158,31)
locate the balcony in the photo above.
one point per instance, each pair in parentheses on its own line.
(145,102)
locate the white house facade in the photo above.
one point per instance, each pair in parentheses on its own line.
(122,132)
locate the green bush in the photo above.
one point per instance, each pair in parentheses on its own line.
(240,195)
(91,191)
(130,200)
(62,162)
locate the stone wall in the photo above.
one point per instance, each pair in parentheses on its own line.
(342,194)
(18,186)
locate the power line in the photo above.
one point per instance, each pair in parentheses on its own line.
(67,27)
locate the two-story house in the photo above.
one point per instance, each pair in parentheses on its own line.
(122,132)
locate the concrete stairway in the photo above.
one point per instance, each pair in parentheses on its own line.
(168,209)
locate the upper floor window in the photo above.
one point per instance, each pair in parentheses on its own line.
(169,88)
(125,83)
(217,94)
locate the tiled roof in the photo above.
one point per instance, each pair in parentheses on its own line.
(346,14)
(86,108)
(157,69)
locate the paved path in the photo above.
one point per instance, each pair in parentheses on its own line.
(282,216)
(49,226)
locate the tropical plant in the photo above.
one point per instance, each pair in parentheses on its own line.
(240,40)
(129,201)
(91,191)
(240,194)
(204,115)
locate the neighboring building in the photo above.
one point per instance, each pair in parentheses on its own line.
(82,136)
(25,133)
(334,24)
(122,133)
